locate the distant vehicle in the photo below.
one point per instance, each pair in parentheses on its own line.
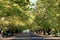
(26,31)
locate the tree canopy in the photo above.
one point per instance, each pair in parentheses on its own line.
(17,15)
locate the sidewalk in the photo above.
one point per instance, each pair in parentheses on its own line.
(44,35)
(47,36)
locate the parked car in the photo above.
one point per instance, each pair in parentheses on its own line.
(26,31)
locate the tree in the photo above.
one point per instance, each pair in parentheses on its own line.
(46,14)
(13,13)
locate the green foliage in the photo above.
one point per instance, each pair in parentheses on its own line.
(47,13)
(16,15)
(13,15)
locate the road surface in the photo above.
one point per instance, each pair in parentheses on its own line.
(31,36)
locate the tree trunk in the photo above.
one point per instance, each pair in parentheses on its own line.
(44,33)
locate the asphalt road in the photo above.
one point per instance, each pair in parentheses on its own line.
(27,35)
(31,36)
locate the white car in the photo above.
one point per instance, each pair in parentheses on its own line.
(26,31)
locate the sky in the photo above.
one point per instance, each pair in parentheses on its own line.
(33,1)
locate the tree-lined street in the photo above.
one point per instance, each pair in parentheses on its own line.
(23,18)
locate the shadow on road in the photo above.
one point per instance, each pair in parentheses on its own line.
(31,36)
(27,35)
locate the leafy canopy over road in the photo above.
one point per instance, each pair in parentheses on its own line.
(17,15)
